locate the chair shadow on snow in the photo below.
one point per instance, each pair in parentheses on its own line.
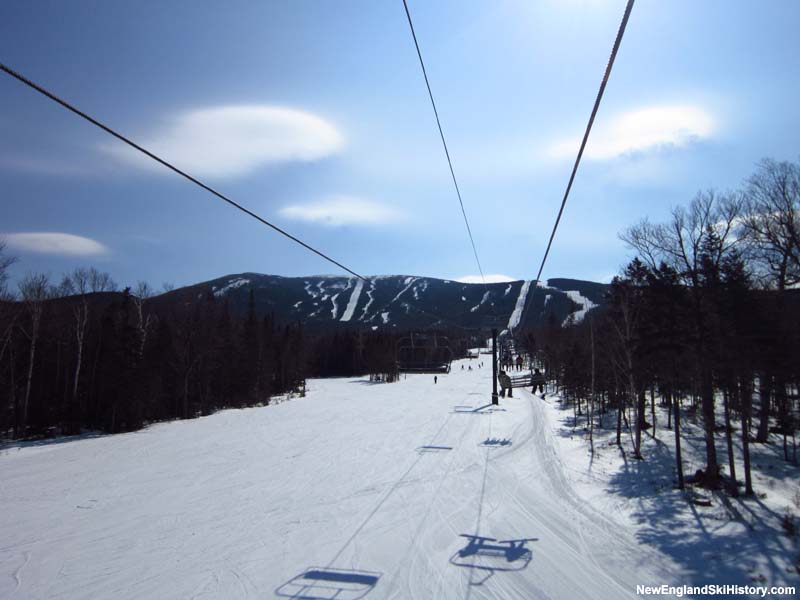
(425,449)
(490,555)
(495,442)
(326,583)
(486,409)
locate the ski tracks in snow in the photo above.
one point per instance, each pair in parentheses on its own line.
(383,478)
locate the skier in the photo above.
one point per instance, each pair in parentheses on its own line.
(435,379)
(538,380)
(505,384)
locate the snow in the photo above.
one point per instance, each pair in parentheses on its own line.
(385,317)
(508,289)
(353,302)
(644,497)
(335,307)
(482,302)
(231,285)
(366,489)
(424,286)
(513,321)
(585,304)
(370,293)
(409,281)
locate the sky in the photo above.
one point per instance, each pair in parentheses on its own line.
(315,115)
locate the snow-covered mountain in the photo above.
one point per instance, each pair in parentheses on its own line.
(396,301)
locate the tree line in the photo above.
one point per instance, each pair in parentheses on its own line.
(705,319)
(80,354)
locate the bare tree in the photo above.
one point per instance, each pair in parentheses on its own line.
(772,221)
(100,281)
(142,293)
(5,296)
(626,302)
(5,263)
(34,289)
(772,224)
(78,283)
(694,240)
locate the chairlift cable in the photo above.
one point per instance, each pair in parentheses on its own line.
(170,166)
(620,32)
(444,143)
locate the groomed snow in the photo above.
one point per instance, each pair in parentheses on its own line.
(353,302)
(370,293)
(334,306)
(409,281)
(585,306)
(520,306)
(360,488)
(232,285)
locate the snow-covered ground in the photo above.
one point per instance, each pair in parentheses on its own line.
(358,490)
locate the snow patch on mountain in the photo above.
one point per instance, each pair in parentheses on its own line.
(353,302)
(483,301)
(409,281)
(335,307)
(585,306)
(370,293)
(520,306)
(232,285)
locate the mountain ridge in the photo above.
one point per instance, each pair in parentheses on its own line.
(394,301)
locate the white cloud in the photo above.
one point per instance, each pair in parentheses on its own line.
(41,166)
(342,210)
(640,130)
(228,141)
(64,244)
(489,279)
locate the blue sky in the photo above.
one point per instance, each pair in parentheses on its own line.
(315,115)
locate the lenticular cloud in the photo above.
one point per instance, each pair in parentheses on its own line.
(230,141)
(342,210)
(64,244)
(641,130)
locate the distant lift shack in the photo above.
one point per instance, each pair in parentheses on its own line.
(423,353)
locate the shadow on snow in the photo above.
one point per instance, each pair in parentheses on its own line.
(327,583)
(490,555)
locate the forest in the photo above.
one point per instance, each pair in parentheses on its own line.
(705,320)
(81,355)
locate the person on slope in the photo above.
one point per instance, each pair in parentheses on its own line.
(538,380)
(505,384)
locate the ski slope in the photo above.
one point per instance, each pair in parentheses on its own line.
(359,490)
